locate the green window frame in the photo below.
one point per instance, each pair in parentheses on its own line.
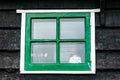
(29,66)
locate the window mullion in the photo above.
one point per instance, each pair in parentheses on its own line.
(57,41)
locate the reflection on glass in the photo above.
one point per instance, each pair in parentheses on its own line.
(72,52)
(43,53)
(72,28)
(43,28)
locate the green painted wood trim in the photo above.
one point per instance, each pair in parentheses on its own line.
(55,40)
(43,40)
(27,43)
(87,37)
(61,15)
(57,66)
(58,43)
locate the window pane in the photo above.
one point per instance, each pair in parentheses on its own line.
(44,28)
(43,52)
(72,52)
(72,28)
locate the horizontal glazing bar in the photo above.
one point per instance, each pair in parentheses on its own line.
(72,40)
(43,40)
(62,40)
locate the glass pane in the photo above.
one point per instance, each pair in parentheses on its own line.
(72,52)
(44,28)
(43,52)
(72,28)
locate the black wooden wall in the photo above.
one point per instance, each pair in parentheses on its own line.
(107,38)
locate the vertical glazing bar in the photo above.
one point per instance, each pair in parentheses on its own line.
(57,42)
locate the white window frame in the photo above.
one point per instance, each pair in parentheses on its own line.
(22,51)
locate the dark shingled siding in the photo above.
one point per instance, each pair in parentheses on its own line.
(107,38)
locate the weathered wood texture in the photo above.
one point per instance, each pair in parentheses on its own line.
(48,4)
(9,59)
(112,18)
(112,4)
(106,39)
(57,4)
(100,75)
(97,20)
(9,39)
(108,59)
(10,19)
(109,18)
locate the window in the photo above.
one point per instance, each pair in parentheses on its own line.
(57,42)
